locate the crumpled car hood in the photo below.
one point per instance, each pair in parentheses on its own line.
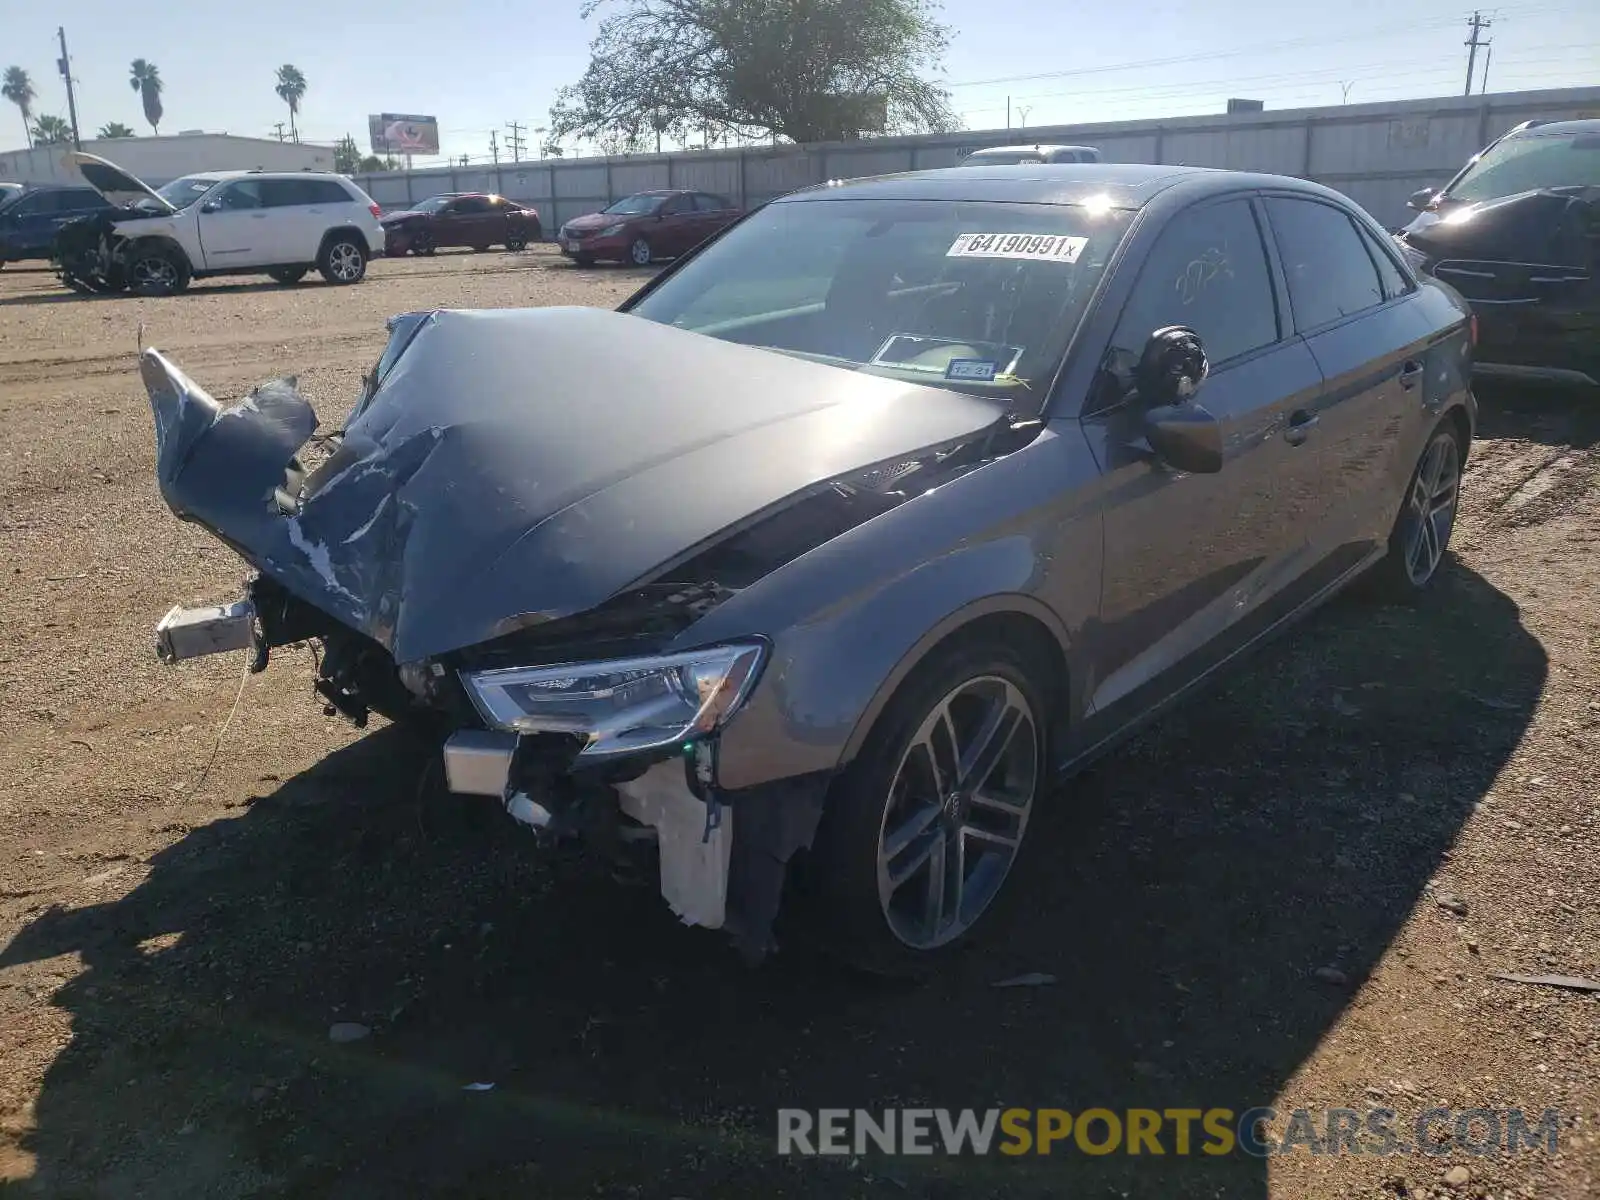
(1546,225)
(519,466)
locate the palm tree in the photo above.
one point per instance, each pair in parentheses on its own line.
(18,89)
(115,129)
(51,131)
(291,86)
(146,80)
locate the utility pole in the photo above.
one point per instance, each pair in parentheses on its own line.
(1477,23)
(515,141)
(1022,112)
(1488,56)
(1008,112)
(494,147)
(65,64)
(1345,89)
(278,128)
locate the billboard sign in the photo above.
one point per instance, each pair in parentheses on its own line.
(403,133)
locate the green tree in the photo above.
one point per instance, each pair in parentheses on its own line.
(17,87)
(145,78)
(51,131)
(291,87)
(115,129)
(370,163)
(346,156)
(807,70)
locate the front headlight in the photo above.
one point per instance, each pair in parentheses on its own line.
(625,705)
(613,230)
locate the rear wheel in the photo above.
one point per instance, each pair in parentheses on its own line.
(343,259)
(925,826)
(157,271)
(1421,532)
(287,275)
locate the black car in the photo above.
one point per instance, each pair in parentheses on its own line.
(1517,232)
(29,221)
(848,551)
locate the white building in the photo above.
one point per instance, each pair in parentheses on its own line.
(159,160)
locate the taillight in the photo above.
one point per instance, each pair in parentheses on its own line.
(1472,328)
(376,210)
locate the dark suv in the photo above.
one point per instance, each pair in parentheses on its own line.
(1517,232)
(28,222)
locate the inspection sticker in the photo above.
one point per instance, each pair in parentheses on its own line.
(980,369)
(1029,247)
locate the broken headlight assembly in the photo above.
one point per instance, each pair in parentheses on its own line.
(625,705)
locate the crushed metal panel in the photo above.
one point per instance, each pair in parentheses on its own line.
(694,859)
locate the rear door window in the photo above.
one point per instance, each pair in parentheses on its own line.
(1207,271)
(1331,275)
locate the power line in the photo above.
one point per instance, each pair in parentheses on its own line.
(1477,23)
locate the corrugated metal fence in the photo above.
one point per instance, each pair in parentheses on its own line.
(1378,154)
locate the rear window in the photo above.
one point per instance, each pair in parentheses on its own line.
(1529,161)
(973,293)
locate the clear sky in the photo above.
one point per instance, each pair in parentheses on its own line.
(478,65)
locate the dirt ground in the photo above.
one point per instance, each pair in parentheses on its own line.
(1292,893)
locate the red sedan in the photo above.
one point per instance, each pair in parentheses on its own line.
(646,226)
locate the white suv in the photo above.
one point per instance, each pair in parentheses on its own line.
(277,223)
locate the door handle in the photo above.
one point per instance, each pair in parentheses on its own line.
(1301,423)
(1409,374)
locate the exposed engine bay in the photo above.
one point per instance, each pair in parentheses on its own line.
(90,254)
(481,555)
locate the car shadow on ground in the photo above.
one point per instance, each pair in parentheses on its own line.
(1552,414)
(1183,896)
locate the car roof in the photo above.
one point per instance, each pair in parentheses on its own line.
(1559,128)
(1042,147)
(1128,185)
(240,174)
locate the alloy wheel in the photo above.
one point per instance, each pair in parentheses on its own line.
(344,261)
(640,252)
(1431,507)
(155,272)
(957,811)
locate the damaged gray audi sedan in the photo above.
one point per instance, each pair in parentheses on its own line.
(808,571)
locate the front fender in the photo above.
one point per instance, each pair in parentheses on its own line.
(849,620)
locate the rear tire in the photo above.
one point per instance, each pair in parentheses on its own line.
(343,259)
(157,271)
(896,833)
(287,275)
(1421,533)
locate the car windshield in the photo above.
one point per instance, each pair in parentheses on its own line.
(1529,161)
(181,193)
(634,206)
(978,296)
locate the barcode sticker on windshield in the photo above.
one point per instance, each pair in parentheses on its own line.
(1027,247)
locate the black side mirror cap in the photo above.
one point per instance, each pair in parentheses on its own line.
(1171,367)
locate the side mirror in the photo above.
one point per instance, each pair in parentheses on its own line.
(211,206)
(1420,198)
(1170,372)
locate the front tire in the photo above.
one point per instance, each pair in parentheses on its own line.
(1421,532)
(640,254)
(924,828)
(343,260)
(516,242)
(422,244)
(157,271)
